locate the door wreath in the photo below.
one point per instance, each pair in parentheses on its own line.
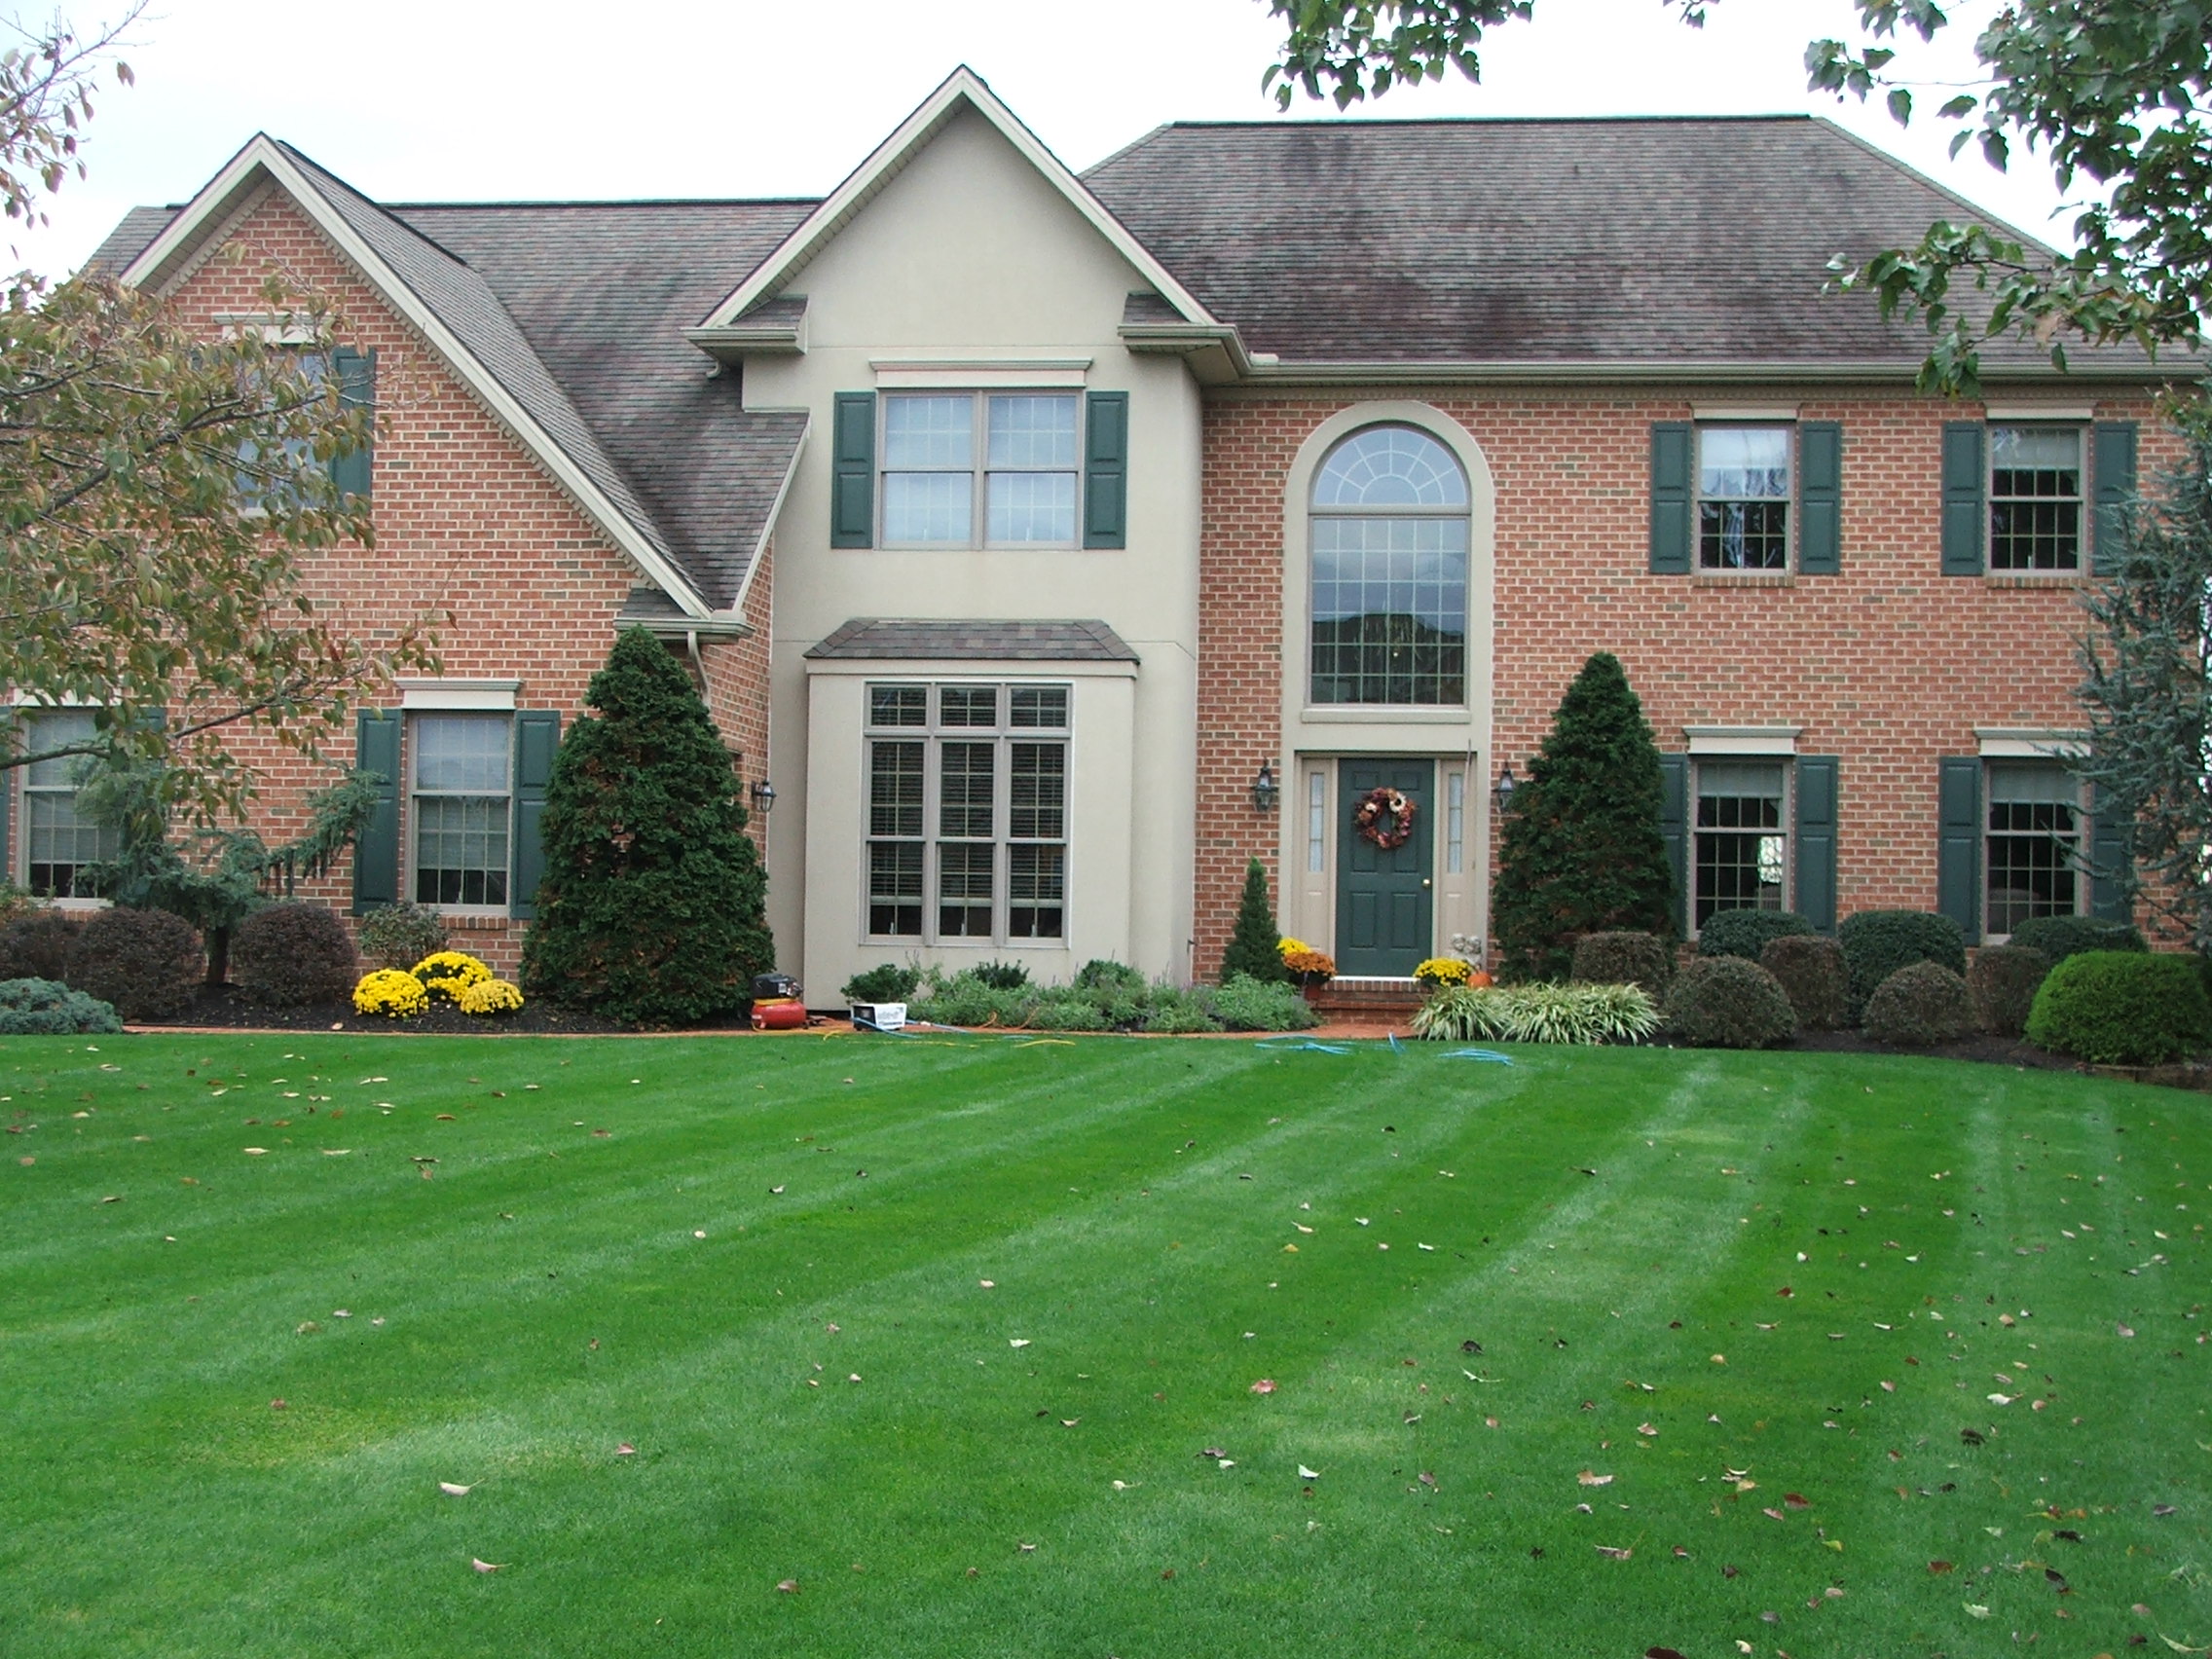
(1385,818)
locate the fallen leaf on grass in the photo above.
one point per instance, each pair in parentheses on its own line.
(1612,1554)
(1975,1609)
(2124,1330)
(257,1152)
(486,1566)
(1647,1430)
(1940,1567)
(1305,1474)
(1264,1385)
(1427,1480)
(1797,1500)
(625,1449)
(1586,1478)
(453,1490)
(788,1586)
(1663,1654)
(1018,1341)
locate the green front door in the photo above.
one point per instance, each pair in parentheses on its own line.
(1384,897)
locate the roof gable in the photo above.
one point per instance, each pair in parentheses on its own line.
(963,90)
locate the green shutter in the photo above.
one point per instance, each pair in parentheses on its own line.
(1957,844)
(1672,444)
(851,485)
(1819,497)
(356,390)
(538,736)
(2114,461)
(376,853)
(1815,830)
(1965,512)
(1675,830)
(1106,470)
(2111,855)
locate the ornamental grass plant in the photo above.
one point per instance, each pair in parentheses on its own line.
(1538,1012)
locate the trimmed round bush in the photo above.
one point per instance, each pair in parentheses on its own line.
(1812,974)
(1876,943)
(888,983)
(2003,980)
(37,945)
(1920,1005)
(147,963)
(41,1007)
(2061,937)
(401,935)
(1725,1002)
(1625,957)
(2118,1008)
(1748,932)
(291,955)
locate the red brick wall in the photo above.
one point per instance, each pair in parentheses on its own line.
(1889,665)
(467,523)
(736,675)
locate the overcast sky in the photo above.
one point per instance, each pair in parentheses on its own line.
(471,99)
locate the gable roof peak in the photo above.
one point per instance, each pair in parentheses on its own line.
(961,90)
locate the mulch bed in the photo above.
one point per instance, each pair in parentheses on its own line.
(224,1009)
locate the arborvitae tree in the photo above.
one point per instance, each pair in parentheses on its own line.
(1582,850)
(2149,691)
(650,908)
(1253,946)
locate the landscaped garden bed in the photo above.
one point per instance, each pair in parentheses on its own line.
(1036,1344)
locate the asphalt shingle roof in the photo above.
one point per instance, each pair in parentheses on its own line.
(1664,240)
(978,639)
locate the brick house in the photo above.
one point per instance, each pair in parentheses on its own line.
(1058,544)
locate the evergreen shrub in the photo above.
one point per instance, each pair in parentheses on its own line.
(964,1000)
(1002,976)
(2061,937)
(1876,943)
(1725,1002)
(1253,945)
(888,983)
(401,935)
(290,954)
(1920,1003)
(1245,1003)
(36,945)
(2118,1008)
(651,907)
(1582,850)
(1100,972)
(1748,932)
(1623,956)
(42,1007)
(2003,980)
(148,963)
(1811,971)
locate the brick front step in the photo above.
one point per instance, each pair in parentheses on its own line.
(1367,999)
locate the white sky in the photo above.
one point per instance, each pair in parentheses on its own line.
(471,99)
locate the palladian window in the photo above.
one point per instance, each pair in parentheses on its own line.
(1390,537)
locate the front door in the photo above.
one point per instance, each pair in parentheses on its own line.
(1384,896)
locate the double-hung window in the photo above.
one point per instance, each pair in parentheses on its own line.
(2034,498)
(463,803)
(1743,498)
(1743,842)
(967,812)
(2034,848)
(61,846)
(1008,464)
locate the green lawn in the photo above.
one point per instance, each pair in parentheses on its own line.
(759,1264)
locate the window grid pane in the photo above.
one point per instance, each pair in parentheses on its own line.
(966,790)
(461,850)
(1029,506)
(1389,610)
(898,705)
(2035,838)
(895,888)
(895,788)
(1042,707)
(1742,855)
(968,705)
(2035,499)
(928,507)
(965,888)
(1036,892)
(1038,784)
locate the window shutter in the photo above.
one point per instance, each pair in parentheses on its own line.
(538,736)
(1106,470)
(2115,461)
(376,852)
(1816,829)
(356,390)
(1819,497)
(1675,830)
(852,486)
(1965,512)
(1671,455)
(1957,844)
(2111,852)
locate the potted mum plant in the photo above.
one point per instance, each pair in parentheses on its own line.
(1309,970)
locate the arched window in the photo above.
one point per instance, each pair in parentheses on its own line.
(1391,532)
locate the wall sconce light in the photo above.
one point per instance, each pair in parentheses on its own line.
(764,797)
(1503,793)
(1266,792)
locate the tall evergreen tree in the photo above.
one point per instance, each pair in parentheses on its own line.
(1582,852)
(651,910)
(1252,946)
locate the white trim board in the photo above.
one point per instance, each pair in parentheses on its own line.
(2016,743)
(457,695)
(1742,740)
(963,89)
(262,158)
